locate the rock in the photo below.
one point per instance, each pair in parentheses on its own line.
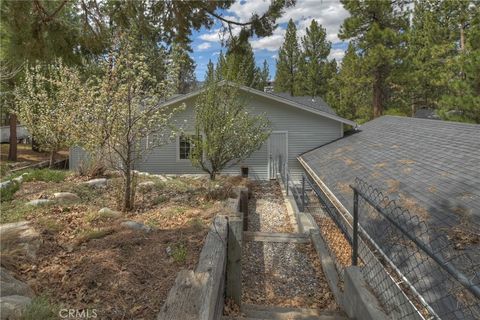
(39,202)
(159,176)
(144,174)
(147,185)
(97,183)
(109,212)
(66,196)
(13,307)
(5,184)
(9,286)
(20,237)
(134,225)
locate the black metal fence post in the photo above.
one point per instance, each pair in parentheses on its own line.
(355,229)
(303,193)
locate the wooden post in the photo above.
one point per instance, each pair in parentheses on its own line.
(244,207)
(234,258)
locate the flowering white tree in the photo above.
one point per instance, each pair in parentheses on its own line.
(47,103)
(123,113)
(226,133)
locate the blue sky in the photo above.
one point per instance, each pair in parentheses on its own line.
(330,13)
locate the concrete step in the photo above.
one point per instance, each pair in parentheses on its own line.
(275,237)
(284,313)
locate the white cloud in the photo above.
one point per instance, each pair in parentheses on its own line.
(337,54)
(204,46)
(329,13)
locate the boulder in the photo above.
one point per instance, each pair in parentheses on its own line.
(5,184)
(97,183)
(159,176)
(147,185)
(109,212)
(9,286)
(20,237)
(134,225)
(39,202)
(66,196)
(13,307)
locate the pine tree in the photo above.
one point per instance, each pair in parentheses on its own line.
(288,61)
(377,28)
(186,67)
(264,76)
(349,93)
(210,74)
(462,101)
(316,70)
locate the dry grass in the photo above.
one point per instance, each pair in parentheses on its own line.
(87,258)
(380,165)
(406,161)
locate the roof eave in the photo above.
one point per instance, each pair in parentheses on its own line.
(268,96)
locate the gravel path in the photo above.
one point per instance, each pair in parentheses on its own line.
(267,211)
(284,274)
(281,274)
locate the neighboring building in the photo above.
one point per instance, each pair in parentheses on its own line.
(298,124)
(427,113)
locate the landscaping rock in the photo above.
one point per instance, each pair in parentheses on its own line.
(20,237)
(159,176)
(5,184)
(97,183)
(9,286)
(13,307)
(147,185)
(109,211)
(66,196)
(39,202)
(134,225)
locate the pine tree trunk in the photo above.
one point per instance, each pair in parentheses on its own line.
(12,149)
(377,96)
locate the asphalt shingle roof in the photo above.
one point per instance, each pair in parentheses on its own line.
(432,167)
(312,102)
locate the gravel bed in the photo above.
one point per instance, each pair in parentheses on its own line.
(267,210)
(284,274)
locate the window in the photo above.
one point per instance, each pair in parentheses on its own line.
(185,145)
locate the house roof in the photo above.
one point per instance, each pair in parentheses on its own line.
(319,108)
(313,102)
(431,167)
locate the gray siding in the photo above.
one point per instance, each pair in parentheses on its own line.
(306,131)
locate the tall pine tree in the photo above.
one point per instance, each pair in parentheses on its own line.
(349,93)
(288,61)
(316,70)
(377,28)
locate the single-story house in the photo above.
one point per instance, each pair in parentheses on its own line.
(298,124)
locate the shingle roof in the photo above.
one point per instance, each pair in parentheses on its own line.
(432,167)
(312,102)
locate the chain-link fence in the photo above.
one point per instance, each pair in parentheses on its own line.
(415,272)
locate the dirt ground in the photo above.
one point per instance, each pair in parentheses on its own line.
(89,261)
(26,154)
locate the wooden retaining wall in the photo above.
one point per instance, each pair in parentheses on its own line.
(199,294)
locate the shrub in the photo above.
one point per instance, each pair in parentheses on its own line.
(6,193)
(93,168)
(40,309)
(179,253)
